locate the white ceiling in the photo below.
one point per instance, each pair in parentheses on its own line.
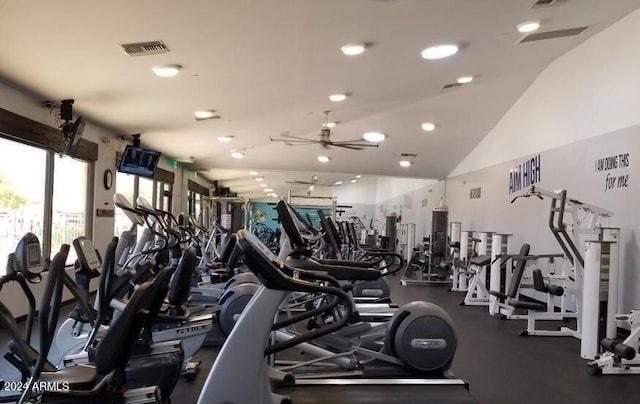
(268,66)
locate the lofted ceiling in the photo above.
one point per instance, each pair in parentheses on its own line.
(268,67)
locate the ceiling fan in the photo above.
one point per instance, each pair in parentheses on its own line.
(314,181)
(325,139)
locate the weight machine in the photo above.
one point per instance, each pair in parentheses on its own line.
(513,267)
(621,357)
(567,227)
(478,293)
(431,262)
(468,249)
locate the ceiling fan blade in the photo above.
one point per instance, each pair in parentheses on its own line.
(353,141)
(355,144)
(297,143)
(288,136)
(293,139)
(347,146)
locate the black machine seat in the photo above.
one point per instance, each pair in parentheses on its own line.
(123,332)
(180,286)
(520,304)
(480,260)
(538,285)
(516,278)
(340,272)
(80,377)
(227,249)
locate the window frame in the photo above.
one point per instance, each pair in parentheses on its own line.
(16,128)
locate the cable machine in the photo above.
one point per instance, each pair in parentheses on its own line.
(568,227)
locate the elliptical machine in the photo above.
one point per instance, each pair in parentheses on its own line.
(169,332)
(101,382)
(231,298)
(149,363)
(247,381)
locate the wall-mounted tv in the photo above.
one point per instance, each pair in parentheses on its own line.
(72,132)
(139,161)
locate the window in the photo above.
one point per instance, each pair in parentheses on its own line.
(145,190)
(197,214)
(22,196)
(68,214)
(57,217)
(163,202)
(124,186)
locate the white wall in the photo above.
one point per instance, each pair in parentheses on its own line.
(583,107)
(361,192)
(388,187)
(571,167)
(589,91)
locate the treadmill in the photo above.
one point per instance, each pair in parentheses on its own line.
(241,374)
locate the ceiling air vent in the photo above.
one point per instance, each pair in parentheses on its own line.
(145,48)
(408,155)
(541,36)
(547,3)
(451,85)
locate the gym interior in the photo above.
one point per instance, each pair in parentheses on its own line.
(298,201)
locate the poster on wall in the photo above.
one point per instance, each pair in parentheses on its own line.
(616,168)
(525,174)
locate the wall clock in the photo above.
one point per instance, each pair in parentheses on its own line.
(108,179)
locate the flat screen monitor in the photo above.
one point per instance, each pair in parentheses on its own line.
(73,133)
(139,161)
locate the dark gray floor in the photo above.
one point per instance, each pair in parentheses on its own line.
(500,366)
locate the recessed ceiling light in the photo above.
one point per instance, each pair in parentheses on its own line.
(528,26)
(330,125)
(274,195)
(337,183)
(225,139)
(323,159)
(358,176)
(204,114)
(167,70)
(405,163)
(354,180)
(464,79)
(311,187)
(268,190)
(263,185)
(337,97)
(259,179)
(353,49)
(374,137)
(237,154)
(253,173)
(439,51)
(428,126)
